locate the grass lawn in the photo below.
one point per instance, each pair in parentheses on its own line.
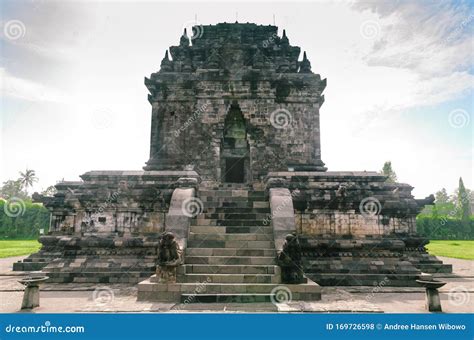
(456,249)
(18,247)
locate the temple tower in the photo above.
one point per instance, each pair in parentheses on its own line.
(234,105)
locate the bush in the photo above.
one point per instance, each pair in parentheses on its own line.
(445,228)
(22,221)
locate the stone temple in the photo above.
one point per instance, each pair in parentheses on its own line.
(234,203)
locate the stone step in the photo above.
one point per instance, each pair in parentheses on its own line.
(434,268)
(231,244)
(230,260)
(230,269)
(230,252)
(243,204)
(230,237)
(232,193)
(230,210)
(99,277)
(151,291)
(101,268)
(352,279)
(232,216)
(231,230)
(28,266)
(231,278)
(226,298)
(227,199)
(230,223)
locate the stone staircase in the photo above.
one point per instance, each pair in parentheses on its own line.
(231,243)
(230,255)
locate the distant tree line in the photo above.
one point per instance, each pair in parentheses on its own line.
(20,218)
(450,218)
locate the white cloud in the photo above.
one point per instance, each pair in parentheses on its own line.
(431,38)
(29,90)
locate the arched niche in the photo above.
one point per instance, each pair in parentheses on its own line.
(235,147)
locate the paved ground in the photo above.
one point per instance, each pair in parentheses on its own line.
(456,296)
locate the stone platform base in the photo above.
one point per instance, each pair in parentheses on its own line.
(94,259)
(392,262)
(204,292)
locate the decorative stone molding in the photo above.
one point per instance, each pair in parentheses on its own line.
(187,182)
(276,182)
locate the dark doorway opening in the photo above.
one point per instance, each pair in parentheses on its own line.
(235,170)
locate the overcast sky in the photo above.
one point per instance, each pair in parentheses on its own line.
(400,82)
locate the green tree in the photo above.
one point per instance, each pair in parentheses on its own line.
(27,179)
(464,205)
(444,204)
(12,188)
(388,171)
(442,196)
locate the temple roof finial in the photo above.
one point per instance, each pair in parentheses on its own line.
(284,39)
(184,41)
(305,65)
(166,64)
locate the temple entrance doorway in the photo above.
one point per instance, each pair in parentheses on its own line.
(235,147)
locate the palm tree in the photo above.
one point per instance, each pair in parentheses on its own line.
(27,179)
